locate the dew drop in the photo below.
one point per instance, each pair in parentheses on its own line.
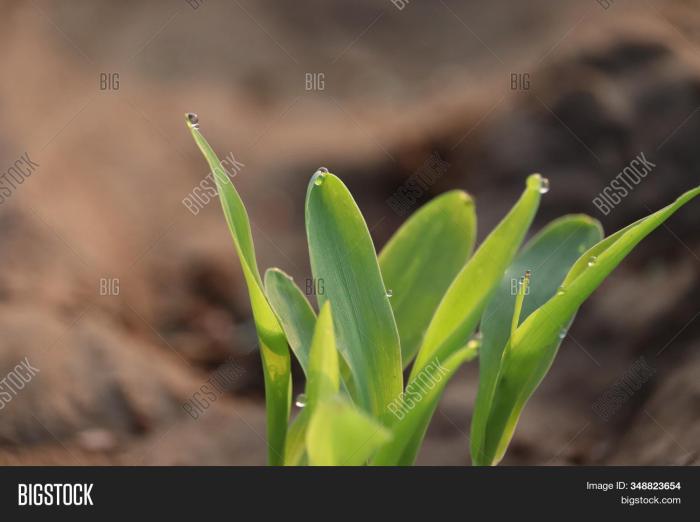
(193,119)
(544,186)
(562,334)
(561,290)
(300,400)
(389,292)
(320,174)
(592,261)
(475,341)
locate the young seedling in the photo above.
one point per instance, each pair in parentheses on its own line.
(420,301)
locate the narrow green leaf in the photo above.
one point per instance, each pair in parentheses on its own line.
(343,256)
(548,256)
(460,309)
(415,407)
(323,380)
(298,319)
(293,311)
(422,258)
(535,342)
(273,344)
(296,439)
(341,435)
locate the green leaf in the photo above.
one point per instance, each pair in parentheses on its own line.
(296,439)
(548,256)
(293,311)
(415,407)
(422,258)
(460,309)
(343,256)
(273,344)
(323,380)
(534,344)
(298,319)
(341,435)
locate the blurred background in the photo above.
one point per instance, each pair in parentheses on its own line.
(125,330)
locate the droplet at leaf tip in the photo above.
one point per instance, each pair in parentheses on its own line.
(192,120)
(320,176)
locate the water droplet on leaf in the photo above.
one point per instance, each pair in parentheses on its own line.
(193,119)
(320,174)
(473,344)
(300,400)
(561,290)
(544,186)
(389,292)
(592,261)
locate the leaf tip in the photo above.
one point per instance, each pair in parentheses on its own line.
(192,120)
(537,182)
(465,197)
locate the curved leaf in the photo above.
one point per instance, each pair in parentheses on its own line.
(460,309)
(294,312)
(548,256)
(343,256)
(421,260)
(416,406)
(534,344)
(273,344)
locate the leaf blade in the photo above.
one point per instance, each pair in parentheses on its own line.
(273,344)
(535,342)
(422,258)
(293,311)
(409,431)
(548,256)
(343,256)
(460,309)
(323,379)
(341,435)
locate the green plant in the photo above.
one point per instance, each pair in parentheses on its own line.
(356,408)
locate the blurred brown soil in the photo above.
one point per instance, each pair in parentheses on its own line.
(106,203)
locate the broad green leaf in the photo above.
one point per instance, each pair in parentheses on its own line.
(460,309)
(293,311)
(273,344)
(323,380)
(548,256)
(535,342)
(415,407)
(422,258)
(343,256)
(341,435)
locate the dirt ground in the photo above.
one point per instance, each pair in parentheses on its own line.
(127,303)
